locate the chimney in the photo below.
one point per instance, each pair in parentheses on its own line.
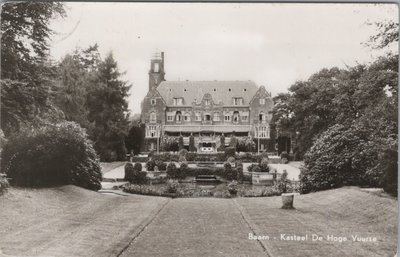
(162,58)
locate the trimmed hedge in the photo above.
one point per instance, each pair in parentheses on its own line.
(55,154)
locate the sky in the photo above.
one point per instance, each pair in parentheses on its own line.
(272,44)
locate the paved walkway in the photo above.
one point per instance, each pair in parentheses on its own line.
(197,227)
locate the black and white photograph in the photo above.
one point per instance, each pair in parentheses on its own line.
(199,129)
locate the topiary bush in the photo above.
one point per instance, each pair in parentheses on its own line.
(54,154)
(264,165)
(230,152)
(180,143)
(192,148)
(153,163)
(172,171)
(230,173)
(134,173)
(183,170)
(129,172)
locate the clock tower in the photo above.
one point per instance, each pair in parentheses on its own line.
(156,72)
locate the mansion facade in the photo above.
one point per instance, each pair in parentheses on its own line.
(206,110)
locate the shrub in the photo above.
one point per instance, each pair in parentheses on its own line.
(222,146)
(283,185)
(172,171)
(239,171)
(285,155)
(252,167)
(54,154)
(172,187)
(182,155)
(230,173)
(233,187)
(180,143)
(231,160)
(3,184)
(161,165)
(134,173)
(183,170)
(340,156)
(151,164)
(129,172)
(388,165)
(137,166)
(192,148)
(230,152)
(264,165)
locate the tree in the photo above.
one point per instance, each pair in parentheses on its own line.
(180,142)
(388,32)
(26,96)
(222,140)
(134,140)
(192,148)
(72,85)
(108,110)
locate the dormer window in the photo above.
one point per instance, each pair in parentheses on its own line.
(153,101)
(207,102)
(178,101)
(237,101)
(262,101)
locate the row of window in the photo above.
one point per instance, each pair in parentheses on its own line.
(260,132)
(179,101)
(207,117)
(152,131)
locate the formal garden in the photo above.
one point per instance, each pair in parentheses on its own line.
(189,174)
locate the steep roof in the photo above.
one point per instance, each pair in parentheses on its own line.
(221,91)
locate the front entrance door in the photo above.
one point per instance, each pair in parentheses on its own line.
(206,148)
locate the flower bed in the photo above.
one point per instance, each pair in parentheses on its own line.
(192,190)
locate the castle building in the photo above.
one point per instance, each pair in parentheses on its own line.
(206,110)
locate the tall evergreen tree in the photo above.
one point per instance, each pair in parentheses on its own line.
(108,110)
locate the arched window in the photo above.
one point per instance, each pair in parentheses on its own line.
(236,117)
(178,117)
(153,117)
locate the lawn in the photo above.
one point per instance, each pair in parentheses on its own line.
(342,212)
(71,221)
